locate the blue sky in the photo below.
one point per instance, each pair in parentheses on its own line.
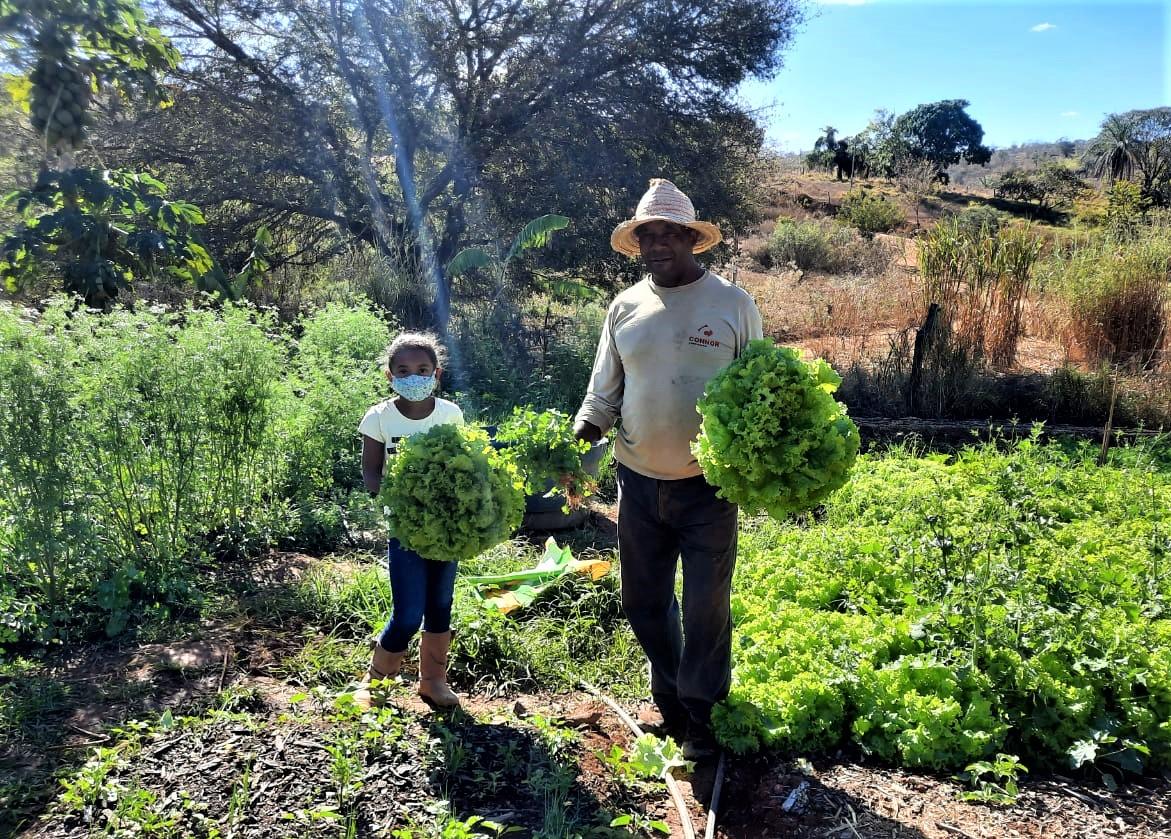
(1032,69)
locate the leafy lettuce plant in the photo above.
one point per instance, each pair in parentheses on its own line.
(772,437)
(547,452)
(448,495)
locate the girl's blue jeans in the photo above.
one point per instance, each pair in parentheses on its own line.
(421,592)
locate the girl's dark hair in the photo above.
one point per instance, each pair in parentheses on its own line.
(424,341)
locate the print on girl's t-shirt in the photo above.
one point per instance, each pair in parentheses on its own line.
(384,423)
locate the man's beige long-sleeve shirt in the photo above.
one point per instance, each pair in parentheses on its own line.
(659,347)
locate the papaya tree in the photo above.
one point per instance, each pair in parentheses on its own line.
(97,229)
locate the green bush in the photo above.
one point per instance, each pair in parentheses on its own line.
(979,220)
(870,212)
(135,446)
(140,447)
(822,246)
(44,530)
(1117,290)
(538,351)
(336,373)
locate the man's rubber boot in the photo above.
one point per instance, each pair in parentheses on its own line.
(433,647)
(700,744)
(383,665)
(664,719)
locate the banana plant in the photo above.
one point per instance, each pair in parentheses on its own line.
(538,233)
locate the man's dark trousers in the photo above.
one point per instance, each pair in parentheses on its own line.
(659,521)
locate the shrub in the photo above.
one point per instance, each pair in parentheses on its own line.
(870,212)
(1116,287)
(134,446)
(1125,207)
(806,244)
(978,220)
(758,250)
(532,349)
(979,278)
(336,374)
(48,552)
(821,246)
(336,370)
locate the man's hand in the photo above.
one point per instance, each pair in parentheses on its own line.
(587,431)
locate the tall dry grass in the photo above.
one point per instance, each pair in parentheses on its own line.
(980,279)
(1117,291)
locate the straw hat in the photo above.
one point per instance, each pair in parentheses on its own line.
(663,201)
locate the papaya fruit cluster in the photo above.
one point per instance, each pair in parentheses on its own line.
(61,92)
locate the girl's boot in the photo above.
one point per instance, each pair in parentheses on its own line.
(383,665)
(433,687)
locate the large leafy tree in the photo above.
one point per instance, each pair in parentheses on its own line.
(943,133)
(420,127)
(1135,145)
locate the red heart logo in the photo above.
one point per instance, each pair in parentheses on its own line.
(707,333)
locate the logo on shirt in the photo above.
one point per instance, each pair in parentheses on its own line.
(703,338)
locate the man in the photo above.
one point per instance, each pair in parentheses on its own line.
(662,341)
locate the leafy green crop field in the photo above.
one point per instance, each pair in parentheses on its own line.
(947,609)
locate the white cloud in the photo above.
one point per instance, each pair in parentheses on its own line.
(1070,114)
(1043,27)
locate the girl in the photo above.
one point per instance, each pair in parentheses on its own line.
(421,589)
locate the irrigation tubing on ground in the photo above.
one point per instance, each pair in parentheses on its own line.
(714,807)
(672,784)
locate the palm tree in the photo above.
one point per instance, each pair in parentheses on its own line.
(1116,152)
(823,150)
(1135,145)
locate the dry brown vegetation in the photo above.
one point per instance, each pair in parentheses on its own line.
(1055,363)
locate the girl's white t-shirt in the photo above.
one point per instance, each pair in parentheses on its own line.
(386,424)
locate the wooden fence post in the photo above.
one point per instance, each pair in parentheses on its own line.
(922,342)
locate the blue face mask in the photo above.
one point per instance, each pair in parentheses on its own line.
(413,388)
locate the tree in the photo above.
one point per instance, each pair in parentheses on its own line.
(1051,186)
(943,133)
(882,147)
(421,127)
(1058,185)
(71,51)
(1014,185)
(822,156)
(97,229)
(101,230)
(1135,145)
(916,178)
(848,159)
(827,140)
